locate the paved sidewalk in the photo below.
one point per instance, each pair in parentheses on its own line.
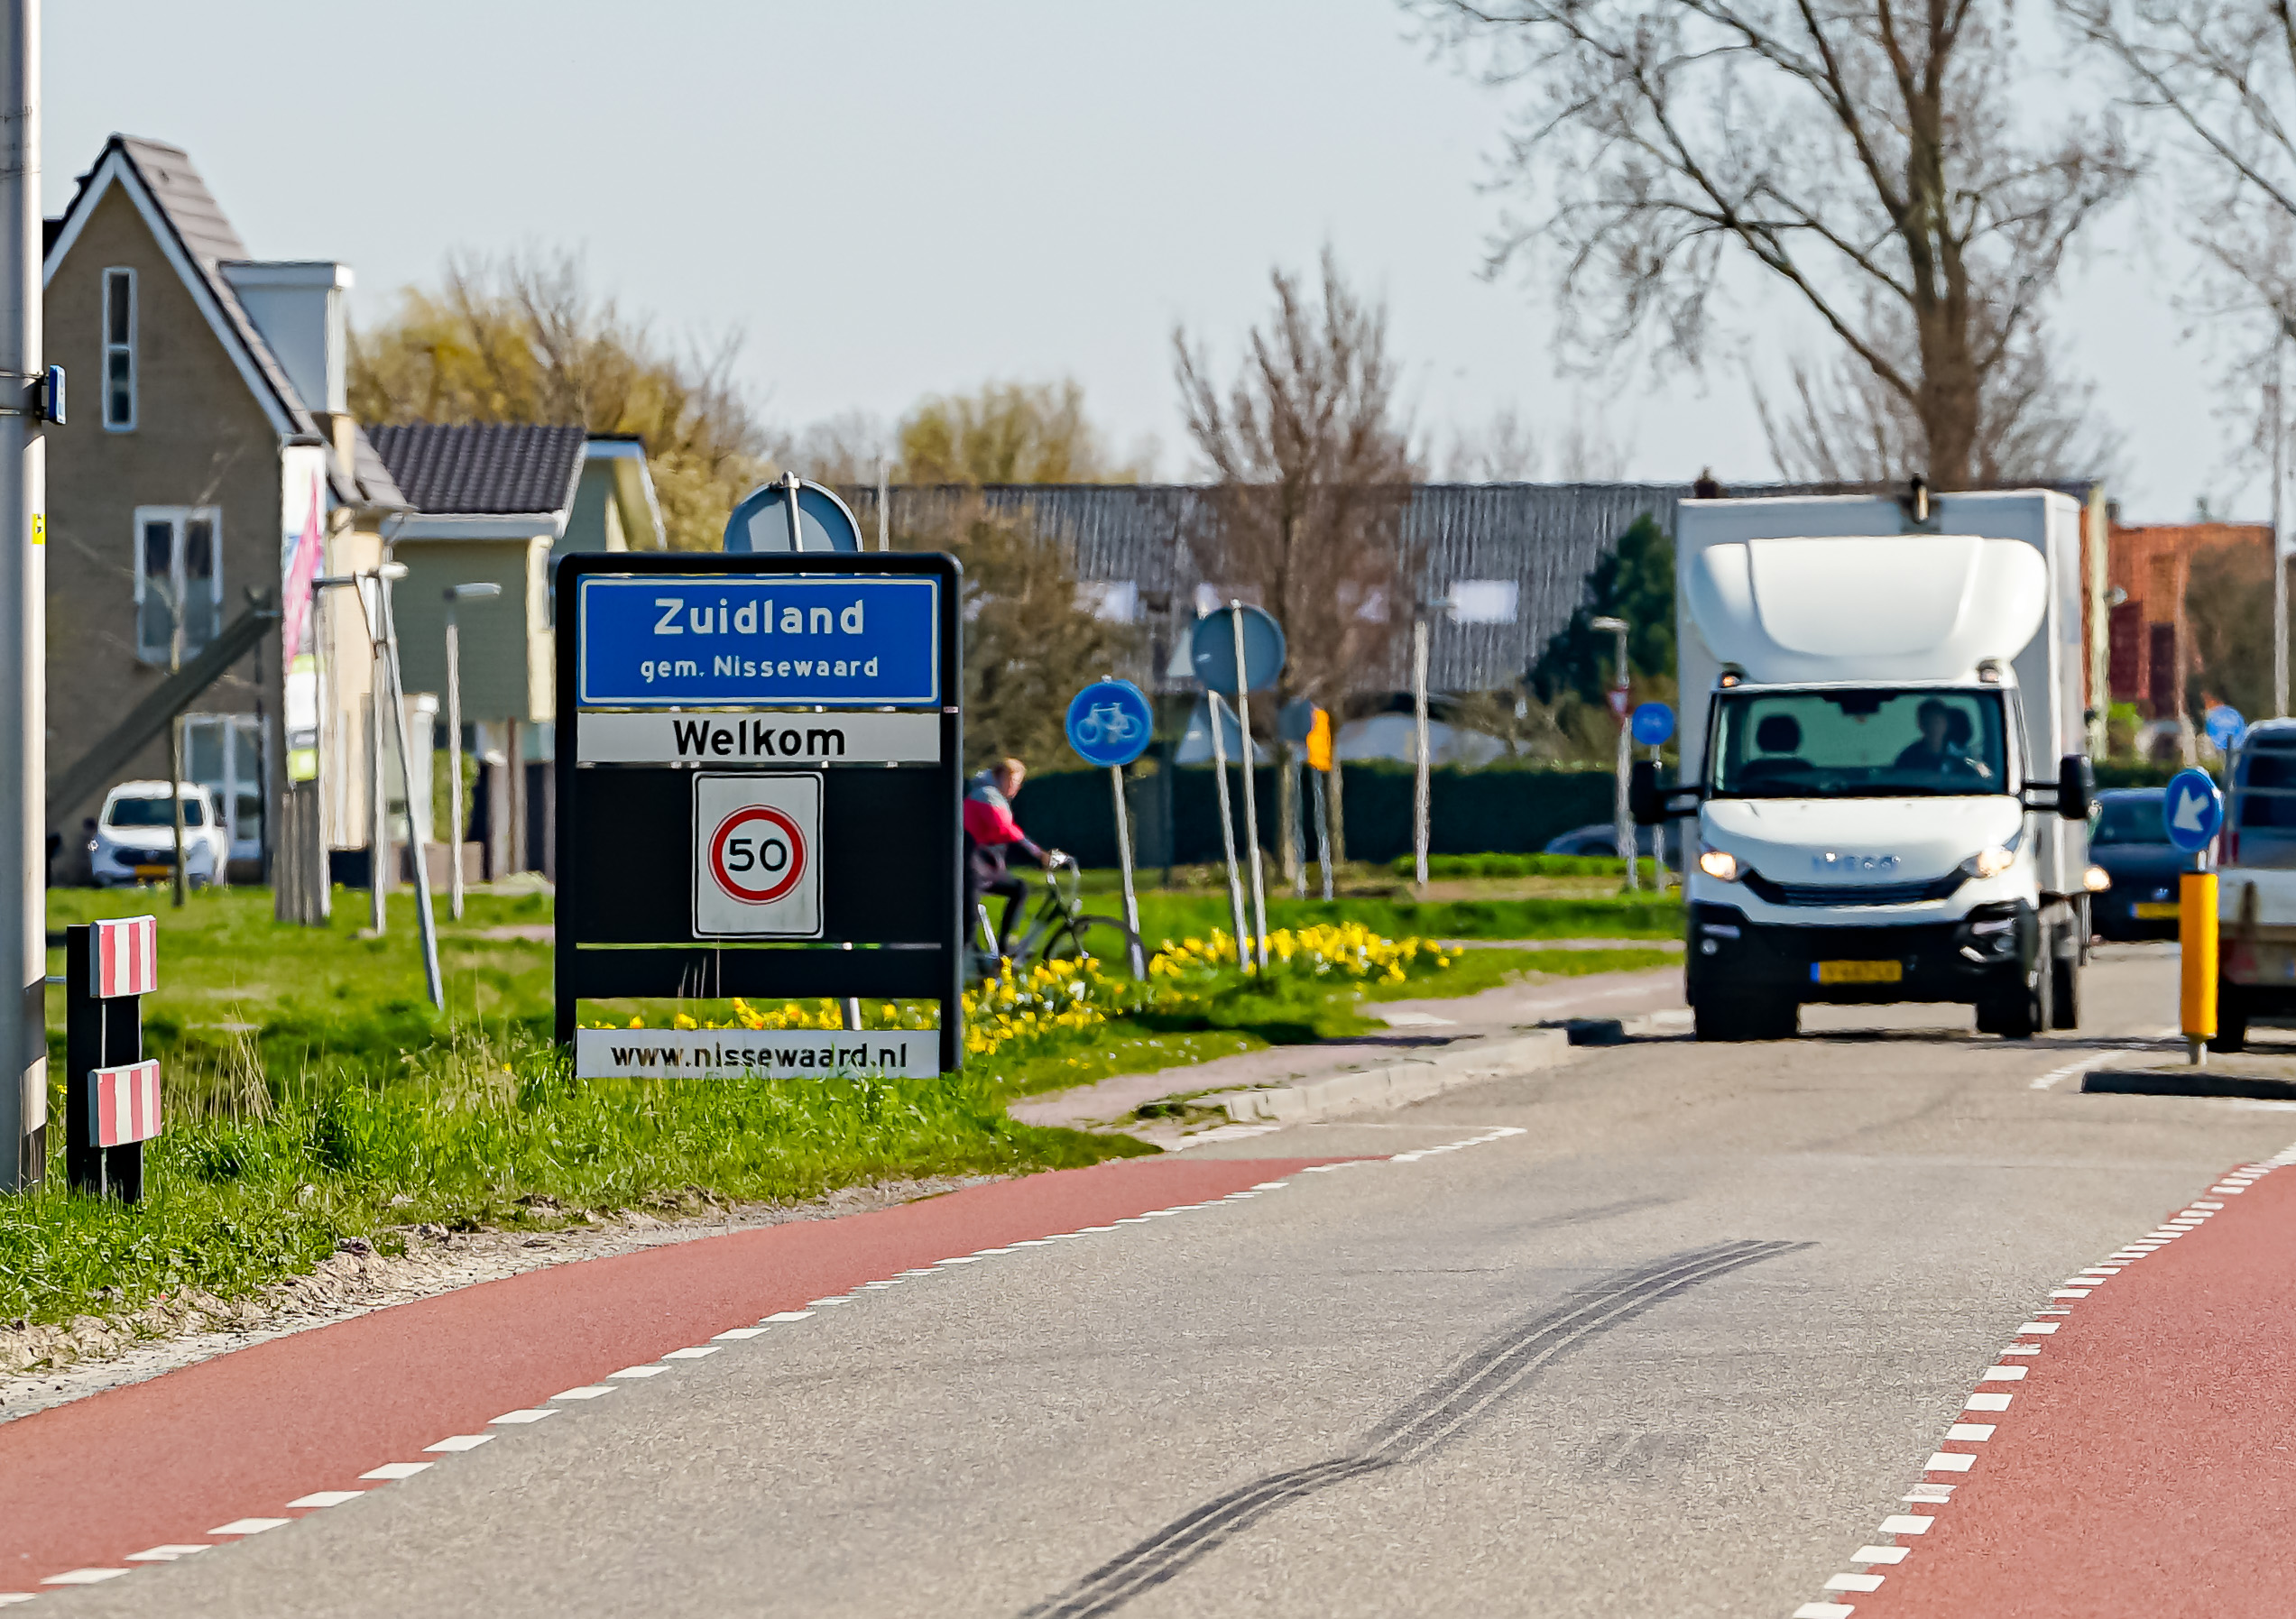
(1420,1029)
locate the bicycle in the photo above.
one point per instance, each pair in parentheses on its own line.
(1062,930)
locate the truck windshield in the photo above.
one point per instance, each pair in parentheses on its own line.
(2262,811)
(1859,744)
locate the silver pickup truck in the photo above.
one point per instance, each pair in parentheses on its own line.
(2256,885)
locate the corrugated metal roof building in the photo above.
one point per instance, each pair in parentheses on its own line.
(1509,561)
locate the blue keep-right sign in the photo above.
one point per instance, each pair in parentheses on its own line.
(2193,809)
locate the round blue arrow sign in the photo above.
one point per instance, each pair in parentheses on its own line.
(1653,722)
(2224,725)
(1109,722)
(2193,809)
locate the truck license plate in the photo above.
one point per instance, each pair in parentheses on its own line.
(1857,972)
(2153,910)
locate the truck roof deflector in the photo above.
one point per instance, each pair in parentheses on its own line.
(1923,607)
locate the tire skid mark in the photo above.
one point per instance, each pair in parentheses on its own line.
(1416,1429)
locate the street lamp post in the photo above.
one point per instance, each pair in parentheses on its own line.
(390,697)
(454,822)
(1621,819)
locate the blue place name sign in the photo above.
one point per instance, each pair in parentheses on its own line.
(718,640)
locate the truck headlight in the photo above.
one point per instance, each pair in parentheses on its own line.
(1720,864)
(1993,862)
(2096,880)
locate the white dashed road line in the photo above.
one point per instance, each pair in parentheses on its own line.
(390,1472)
(2192,1217)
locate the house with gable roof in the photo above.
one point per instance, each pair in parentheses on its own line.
(211,465)
(496,504)
(212,461)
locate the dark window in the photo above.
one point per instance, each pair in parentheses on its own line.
(119,350)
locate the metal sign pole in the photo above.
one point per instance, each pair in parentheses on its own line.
(1658,835)
(418,815)
(378,806)
(1124,856)
(1323,831)
(1251,808)
(1227,827)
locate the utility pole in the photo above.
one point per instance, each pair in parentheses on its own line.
(456,818)
(1422,792)
(24,697)
(1622,824)
(2279,430)
(175,729)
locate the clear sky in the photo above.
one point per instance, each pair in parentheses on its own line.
(892,197)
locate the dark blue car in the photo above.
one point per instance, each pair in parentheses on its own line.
(2130,841)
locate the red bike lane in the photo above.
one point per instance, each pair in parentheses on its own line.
(166,1463)
(2144,1464)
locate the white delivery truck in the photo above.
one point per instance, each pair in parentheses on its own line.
(2256,885)
(1881,734)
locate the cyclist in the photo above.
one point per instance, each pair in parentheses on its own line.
(988,831)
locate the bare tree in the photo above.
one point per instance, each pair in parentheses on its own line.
(1874,157)
(1029,642)
(1503,450)
(2223,73)
(1843,425)
(1315,467)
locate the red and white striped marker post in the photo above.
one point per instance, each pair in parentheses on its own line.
(112,1092)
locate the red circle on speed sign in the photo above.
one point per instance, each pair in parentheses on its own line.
(761,865)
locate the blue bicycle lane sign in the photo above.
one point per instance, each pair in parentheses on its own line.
(1109,722)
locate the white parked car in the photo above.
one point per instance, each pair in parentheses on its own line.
(134,840)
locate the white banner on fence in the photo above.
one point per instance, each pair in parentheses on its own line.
(766,1053)
(759,739)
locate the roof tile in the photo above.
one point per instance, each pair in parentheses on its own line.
(482,468)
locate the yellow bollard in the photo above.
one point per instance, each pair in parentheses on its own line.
(2196,932)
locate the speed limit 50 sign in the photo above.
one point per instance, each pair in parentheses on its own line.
(757,856)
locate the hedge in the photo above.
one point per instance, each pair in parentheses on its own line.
(1497,810)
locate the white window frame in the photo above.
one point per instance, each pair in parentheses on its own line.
(108,348)
(179,518)
(246,842)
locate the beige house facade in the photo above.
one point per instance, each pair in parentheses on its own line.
(210,436)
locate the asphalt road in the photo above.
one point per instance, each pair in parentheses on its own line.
(1668,1330)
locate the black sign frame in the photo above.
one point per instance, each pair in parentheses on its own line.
(893,865)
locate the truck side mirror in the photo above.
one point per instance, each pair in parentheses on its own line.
(2076,787)
(1644,800)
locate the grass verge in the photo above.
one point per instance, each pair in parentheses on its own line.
(248,1187)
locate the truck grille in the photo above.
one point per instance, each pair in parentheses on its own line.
(1835,894)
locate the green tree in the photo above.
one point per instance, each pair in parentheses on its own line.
(1007,432)
(1636,582)
(525,339)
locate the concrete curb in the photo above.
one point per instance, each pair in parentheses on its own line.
(1396,1085)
